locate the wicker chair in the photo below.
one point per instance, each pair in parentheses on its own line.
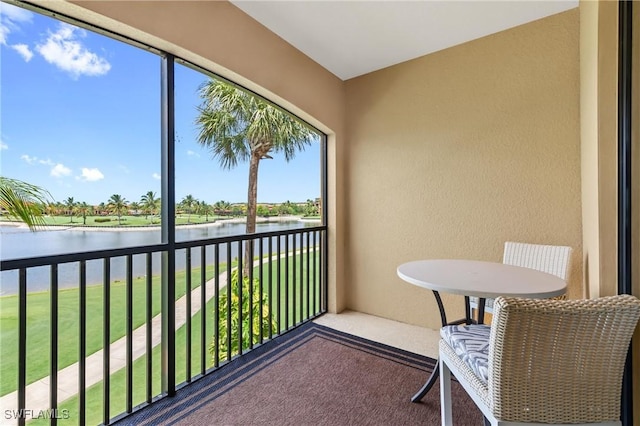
(542,361)
(546,258)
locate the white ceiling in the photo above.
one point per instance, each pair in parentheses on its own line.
(351,38)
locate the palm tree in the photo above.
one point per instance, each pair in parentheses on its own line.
(188,203)
(102,208)
(135,207)
(51,208)
(222,208)
(70,205)
(59,208)
(23,201)
(84,209)
(118,205)
(150,204)
(204,208)
(237,126)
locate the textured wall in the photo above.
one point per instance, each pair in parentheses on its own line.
(607,168)
(456,152)
(589,144)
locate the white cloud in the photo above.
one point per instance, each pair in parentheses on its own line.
(64,50)
(28,159)
(156,176)
(91,175)
(3,146)
(192,153)
(24,51)
(10,17)
(14,13)
(35,160)
(59,170)
(4,32)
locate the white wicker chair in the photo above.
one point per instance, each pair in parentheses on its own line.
(546,361)
(546,258)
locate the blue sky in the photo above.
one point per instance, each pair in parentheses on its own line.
(80,117)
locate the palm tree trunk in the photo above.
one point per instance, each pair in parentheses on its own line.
(252,201)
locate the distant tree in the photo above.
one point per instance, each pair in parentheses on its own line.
(222,208)
(23,201)
(150,204)
(204,209)
(311,208)
(70,205)
(84,210)
(102,209)
(188,203)
(60,208)
(135,207)
(237,127)
(118,206)
(237,209)
(262,210)
(286,208)
(51,208)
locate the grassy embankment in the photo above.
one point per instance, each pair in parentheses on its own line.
(39,323)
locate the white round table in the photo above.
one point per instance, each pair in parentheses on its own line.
(485,280)
(481,279)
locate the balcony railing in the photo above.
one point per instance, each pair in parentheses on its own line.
(160,317)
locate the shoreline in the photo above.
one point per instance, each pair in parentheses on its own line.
(116,228)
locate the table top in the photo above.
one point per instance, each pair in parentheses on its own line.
(481,279)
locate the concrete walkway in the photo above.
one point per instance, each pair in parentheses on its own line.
(37,393)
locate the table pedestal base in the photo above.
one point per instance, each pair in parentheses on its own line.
(427,386)
(443,318)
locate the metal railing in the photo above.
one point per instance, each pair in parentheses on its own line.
(221,309)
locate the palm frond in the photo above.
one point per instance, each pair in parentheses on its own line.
(234,124)
(23,201)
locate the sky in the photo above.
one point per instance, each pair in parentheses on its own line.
(80,117)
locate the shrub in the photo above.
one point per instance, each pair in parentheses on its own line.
(259,323)
(102,219)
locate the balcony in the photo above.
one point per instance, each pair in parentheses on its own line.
(449,155)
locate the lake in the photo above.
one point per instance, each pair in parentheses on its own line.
(18,243)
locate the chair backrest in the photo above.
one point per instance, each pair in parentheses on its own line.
(559,361)
(546,258)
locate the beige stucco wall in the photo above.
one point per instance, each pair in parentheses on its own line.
(598,107)
(607,170)
(219,37)
(589,144)
(454,153)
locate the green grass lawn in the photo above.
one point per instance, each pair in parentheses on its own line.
(94,396)
(38,323)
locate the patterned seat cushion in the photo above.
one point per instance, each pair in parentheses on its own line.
(471,344)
